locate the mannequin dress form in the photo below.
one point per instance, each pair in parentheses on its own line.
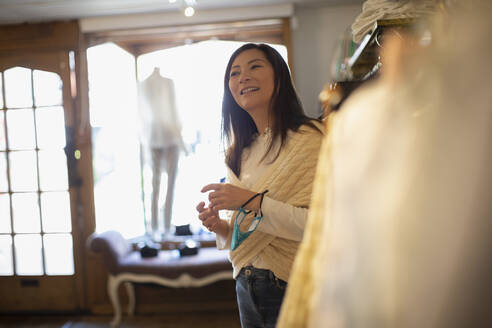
(161,139)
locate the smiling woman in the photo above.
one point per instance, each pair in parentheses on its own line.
(271,159)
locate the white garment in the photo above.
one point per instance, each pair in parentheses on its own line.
(279,218)
(160,126)
(408,241)
(160,137)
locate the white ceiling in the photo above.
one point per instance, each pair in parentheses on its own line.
(19,11)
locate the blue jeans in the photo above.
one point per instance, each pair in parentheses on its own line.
(259,297)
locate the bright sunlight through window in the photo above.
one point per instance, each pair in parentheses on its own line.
(122,186)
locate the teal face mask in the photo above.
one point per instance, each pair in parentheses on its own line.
(237,235)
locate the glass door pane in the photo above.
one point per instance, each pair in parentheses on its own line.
(6,263)
(56,212)
(47,89)
(50,127)
(25,212)
(58,252)
(1,90)
(4,187)
(23,171)
(20,124)
(18,87)
(28,257)
(53,174)
(3,144)
(5,213)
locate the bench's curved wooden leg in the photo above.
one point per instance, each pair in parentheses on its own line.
(113,284)
(130,291)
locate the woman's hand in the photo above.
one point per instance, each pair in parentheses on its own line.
(210,218)
(225,196)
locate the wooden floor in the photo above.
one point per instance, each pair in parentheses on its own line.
(181,320)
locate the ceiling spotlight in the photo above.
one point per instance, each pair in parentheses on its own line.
(172,1)
(189,11)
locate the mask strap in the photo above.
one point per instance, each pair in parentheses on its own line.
(262,194)
(253,197)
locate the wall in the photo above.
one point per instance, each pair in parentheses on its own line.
(315,32)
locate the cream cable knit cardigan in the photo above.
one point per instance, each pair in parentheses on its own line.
(297,305)
(289,179)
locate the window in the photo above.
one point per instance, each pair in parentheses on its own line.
(197,71)
(35,216)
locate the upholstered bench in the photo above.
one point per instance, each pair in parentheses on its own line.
(126,265)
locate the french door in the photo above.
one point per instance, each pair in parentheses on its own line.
(40,262)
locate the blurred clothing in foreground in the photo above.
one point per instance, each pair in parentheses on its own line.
(400,222)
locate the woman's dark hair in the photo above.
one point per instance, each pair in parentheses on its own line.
(237,125)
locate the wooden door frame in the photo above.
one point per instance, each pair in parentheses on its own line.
(47,46)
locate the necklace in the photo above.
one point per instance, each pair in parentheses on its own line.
(267,131)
